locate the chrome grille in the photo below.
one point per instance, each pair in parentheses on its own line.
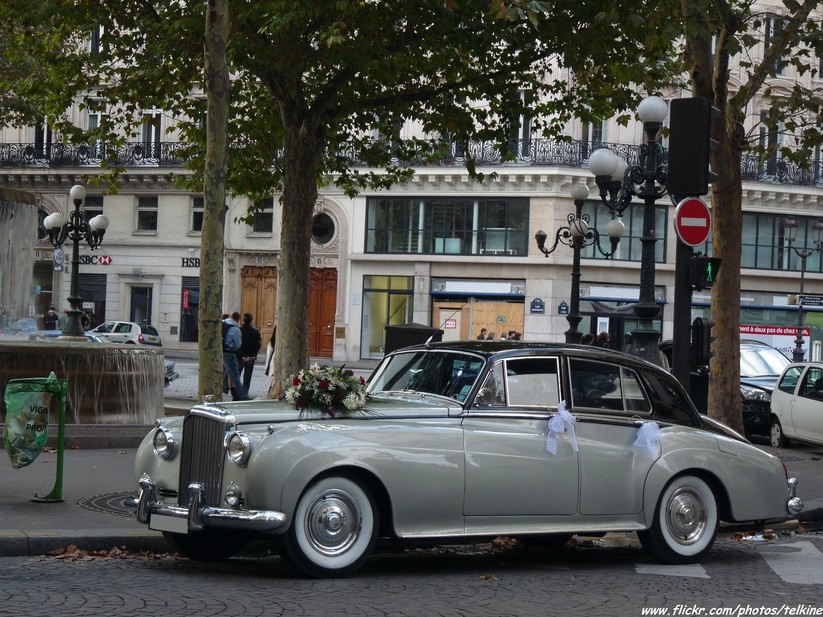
(203,454)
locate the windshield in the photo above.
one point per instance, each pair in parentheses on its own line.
(762,361)
(438,372)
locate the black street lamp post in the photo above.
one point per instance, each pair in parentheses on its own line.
(647,181)
(75,229)
(790,226)
(577,234)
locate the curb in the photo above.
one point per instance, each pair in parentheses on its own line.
(20,543)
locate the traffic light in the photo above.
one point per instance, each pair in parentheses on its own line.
(702,340)
(703,271)
(690,142)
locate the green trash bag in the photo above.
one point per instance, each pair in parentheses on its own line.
(27,417)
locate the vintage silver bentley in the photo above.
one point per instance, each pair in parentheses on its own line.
(460,442)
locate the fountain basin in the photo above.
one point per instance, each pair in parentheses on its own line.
(107,383)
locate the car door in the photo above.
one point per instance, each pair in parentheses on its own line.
(509,469)
(784,395)
(610,405)
(807,407)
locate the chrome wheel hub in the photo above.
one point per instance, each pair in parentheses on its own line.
(686,516)
(333,523)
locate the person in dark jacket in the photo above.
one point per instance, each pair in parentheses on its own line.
(250,343)
(231,345)
(50,319)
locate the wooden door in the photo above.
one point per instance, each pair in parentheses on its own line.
(259,297)
(322,311)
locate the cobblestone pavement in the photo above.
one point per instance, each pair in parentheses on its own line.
(739,576)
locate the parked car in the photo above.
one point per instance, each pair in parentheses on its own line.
(760,366)
(171,374)
(458,441)
(797,405)
(128,332)
(53,334)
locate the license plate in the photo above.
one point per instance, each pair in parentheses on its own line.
(161,522)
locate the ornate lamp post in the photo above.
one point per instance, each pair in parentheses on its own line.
(75,229)
(577,234)
(790,226)
(647,181)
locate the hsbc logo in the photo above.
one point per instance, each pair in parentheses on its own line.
(95,260)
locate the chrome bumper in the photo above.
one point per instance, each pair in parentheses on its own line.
(198,515)
(795,504)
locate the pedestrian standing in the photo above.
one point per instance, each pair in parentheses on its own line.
(61,321)
(250,343)
(231,345)
(50,319)
(270,351)
(482,335)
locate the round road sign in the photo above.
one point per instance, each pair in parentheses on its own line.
(692,221)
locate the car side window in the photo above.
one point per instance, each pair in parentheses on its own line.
(603,385)
(812,386)
(790,378)
(493,390)
(533,382)
(123,328)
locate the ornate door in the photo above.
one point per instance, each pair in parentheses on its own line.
(259,297)
(322,311)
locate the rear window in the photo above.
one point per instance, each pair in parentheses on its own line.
(607,386)
(149,330)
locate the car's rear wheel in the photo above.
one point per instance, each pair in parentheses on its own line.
(776,436)
(685,522)
(207,545)
(334,528)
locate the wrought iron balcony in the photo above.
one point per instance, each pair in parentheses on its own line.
(521,153)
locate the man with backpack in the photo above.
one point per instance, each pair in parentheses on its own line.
(232,341)
(250,344)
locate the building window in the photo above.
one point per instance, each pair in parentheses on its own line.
(453,226)
(263,216)
(95,40)
(197,205)
(630,247)
(520,130)
(92,206)
(322,229)
(149,148)
(592,138)
(189,309)
(147,214)
(774,26)
(387,301)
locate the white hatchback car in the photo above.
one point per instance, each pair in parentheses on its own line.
(797,405)
(128,332)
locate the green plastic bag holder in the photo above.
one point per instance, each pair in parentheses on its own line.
(27,420)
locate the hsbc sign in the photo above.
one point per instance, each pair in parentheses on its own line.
(95,260)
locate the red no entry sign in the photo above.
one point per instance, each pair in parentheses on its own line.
(692,221)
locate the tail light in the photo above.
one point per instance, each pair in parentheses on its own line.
(140,338)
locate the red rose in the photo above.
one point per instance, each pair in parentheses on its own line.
(296,381)
(324,384)
(362,381)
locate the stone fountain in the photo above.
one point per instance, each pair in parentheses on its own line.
(108,384)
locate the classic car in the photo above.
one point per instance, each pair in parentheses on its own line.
(458,442)
(797,405)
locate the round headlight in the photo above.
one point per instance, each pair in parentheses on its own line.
(239,449)
(163,443)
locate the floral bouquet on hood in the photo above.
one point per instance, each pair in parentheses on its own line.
(327,388)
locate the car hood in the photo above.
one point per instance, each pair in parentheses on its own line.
(382,406)
(766,382)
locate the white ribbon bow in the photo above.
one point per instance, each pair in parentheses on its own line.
(563,422)
(648,436)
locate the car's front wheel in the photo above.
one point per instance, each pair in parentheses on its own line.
(334,528)
(685,522)
(776,436)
